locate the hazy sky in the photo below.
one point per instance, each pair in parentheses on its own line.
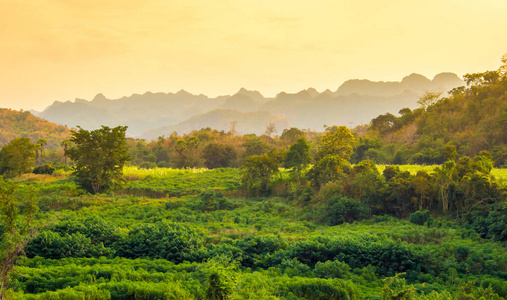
(65,49)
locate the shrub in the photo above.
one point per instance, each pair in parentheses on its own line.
(419,217)
(44,169)
(342,209)
(331,269)
(148,165)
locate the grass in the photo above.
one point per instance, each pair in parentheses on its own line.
(412,169)
(134,173)
(500,175)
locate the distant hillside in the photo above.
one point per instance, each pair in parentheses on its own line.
(355,102)
(471,119)
(221,119)
(17,124)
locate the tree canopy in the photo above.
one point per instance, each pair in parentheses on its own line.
(99,156)
(17,157)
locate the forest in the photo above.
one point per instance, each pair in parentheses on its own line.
(407,207)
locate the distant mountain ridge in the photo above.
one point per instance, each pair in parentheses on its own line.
(221,119)
(354,102)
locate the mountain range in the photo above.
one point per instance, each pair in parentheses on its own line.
(150,115)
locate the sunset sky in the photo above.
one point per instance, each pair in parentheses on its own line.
(66,49)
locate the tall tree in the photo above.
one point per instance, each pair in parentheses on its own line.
(219,155)
(338,140)
(258,169)
(298,156)
(40,145)
(99,156)
(17,213)
(17,157)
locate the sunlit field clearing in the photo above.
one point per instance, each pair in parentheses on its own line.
(413,169)
(135,173)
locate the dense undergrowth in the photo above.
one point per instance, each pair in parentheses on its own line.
(189,242)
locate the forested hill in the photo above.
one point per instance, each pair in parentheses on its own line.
(355,102)
(17,124)
(222,119)
(471,119)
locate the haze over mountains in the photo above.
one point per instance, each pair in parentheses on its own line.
(151,115)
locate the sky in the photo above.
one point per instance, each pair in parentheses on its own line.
(59,50)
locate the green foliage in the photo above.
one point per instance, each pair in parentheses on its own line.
(170,241)
(163,182)
(50,244)
(298,157)
(420,217)
(342,209)
(258,169)
(44,169)
(147,165)
(17,157)
(220,281)
(212,200)
(338,140)
(332,269)
(219,156)
(470,120)
(211,243)
(18,208)
(291,135)
(396,288)
(99,156)
(328,169)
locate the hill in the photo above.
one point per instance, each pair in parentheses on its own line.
(222,119)
(470,119)
(17,124)
(355,102)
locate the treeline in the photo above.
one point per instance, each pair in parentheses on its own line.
(469,120)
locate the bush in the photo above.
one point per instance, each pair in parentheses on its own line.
(419,217)
(148,165)
(332,269)
(212,200)
(165,240)
(342,209)
(51,245)
(44,169)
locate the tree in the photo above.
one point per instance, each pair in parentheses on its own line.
(65,144)
(189,154)
(99,156)
(329,168)
(270,129)
(428,99)
(292,135)
(219,155)
(444,178)
(17,213)
(298,156)
(39,146)
(336,141)
(17,157)
(385,123)
(258,169)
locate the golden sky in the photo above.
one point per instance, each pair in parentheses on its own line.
(65,49)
